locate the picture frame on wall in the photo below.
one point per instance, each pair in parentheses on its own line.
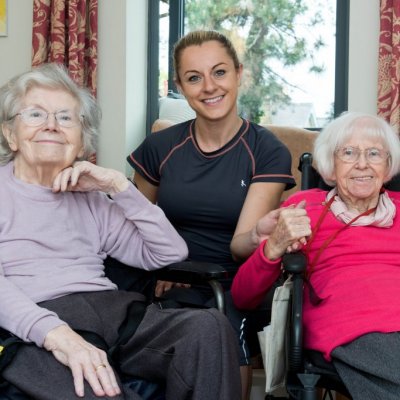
(3,18)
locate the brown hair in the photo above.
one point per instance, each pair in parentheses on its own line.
(197,38)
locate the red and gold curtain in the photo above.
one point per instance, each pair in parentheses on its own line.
(65,31)
(389,63)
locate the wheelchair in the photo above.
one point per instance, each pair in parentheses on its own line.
(307,370)
(132,279)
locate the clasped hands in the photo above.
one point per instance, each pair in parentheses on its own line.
(286,230)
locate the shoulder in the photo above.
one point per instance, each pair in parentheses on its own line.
(261,134)
(172,135)
(263,141)
(395,197)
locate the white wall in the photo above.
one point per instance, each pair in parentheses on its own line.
(363,55)
(15,49)
(122,66)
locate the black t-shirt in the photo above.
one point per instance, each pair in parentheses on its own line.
(202,194)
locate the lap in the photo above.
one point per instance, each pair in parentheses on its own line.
(34,370)
(370,367)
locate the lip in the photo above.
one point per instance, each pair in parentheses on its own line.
(214,100)
(362,178)
(48,141)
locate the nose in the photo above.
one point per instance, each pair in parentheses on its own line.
(362,160)
(208,83)
(51,121)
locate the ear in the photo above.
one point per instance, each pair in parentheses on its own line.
(179,87)
(239,74)
(81,152)
(10,136)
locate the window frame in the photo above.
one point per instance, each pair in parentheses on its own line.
(176,29)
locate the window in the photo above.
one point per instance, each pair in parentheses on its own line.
(301,46)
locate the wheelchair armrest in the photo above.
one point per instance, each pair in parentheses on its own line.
(295,264)
(191,272)
(196,272)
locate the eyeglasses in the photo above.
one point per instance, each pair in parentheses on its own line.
(352,154)
(37,117)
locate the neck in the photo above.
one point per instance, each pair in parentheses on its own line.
(360,206)
(42,175)
(212,135)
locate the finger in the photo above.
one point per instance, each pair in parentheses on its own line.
(76,173)
(107,379)
(65,178)
(274,214)
(159,289)
(91,375)
(302,204)
(58,181)
(77,375)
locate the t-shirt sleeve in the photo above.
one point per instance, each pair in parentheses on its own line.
(273,161)
(146,159)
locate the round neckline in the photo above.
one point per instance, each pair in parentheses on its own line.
(226,147)
(30,190)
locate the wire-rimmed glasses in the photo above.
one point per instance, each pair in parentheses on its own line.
(372,155)
(37,117)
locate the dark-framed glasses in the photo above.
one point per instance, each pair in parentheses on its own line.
(38,117)
(351,154)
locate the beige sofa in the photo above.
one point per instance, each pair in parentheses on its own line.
(297,140)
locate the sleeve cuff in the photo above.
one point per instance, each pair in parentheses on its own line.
(41,328)
(264,260)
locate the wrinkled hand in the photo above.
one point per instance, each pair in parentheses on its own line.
(164,286)
(291,232)
(85,176)
(86,361)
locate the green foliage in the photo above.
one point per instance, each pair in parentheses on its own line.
(262,31)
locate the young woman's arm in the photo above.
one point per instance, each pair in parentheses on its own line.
(251,228)
(147,189)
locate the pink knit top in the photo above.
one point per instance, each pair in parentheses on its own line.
(357,276)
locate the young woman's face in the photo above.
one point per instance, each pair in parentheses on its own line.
(209,80)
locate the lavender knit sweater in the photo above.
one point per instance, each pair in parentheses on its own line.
(54,244)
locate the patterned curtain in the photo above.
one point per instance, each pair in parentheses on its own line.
(65,31)
(389,63)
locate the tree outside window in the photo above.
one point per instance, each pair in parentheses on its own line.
(287,48)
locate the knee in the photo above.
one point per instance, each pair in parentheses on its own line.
(211,325)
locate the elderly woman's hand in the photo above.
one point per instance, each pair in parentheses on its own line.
(85,176)
(292,229)
(85,361)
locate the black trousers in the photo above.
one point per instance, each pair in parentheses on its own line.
(193,352)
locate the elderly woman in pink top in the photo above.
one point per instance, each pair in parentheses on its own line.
(60,216)
(350,236)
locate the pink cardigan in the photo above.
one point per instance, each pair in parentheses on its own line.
(357,275)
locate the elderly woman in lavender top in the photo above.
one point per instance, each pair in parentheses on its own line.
(60,217)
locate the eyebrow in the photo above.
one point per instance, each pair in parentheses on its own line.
(194,71)
(36,106)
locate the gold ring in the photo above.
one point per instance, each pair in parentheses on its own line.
(100,366)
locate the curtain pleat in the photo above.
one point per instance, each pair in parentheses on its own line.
(389,63)
(65,31)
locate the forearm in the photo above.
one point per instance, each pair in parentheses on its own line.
(244,244)
(23,317)
(147,235)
